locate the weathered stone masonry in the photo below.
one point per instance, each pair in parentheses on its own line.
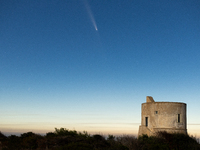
(162,116)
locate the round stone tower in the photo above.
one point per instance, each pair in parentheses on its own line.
(162,116)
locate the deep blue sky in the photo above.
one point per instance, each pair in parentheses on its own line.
(57,70)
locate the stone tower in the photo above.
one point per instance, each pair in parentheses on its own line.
(162,116)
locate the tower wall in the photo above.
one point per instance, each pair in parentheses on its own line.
(163,116)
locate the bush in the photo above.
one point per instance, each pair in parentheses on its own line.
(129,141)
(179,141)
(63,139)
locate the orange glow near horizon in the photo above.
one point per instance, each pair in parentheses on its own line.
(114,129)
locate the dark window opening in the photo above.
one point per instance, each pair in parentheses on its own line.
(178,117)
(146,121)
(156,112)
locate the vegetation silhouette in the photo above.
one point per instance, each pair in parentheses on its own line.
(64,139)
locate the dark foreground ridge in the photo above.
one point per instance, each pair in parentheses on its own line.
(63,139)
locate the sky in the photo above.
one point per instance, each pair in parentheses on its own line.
(89,64)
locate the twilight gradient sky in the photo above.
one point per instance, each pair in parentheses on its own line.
(89,64)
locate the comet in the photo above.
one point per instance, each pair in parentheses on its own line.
(90,15)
